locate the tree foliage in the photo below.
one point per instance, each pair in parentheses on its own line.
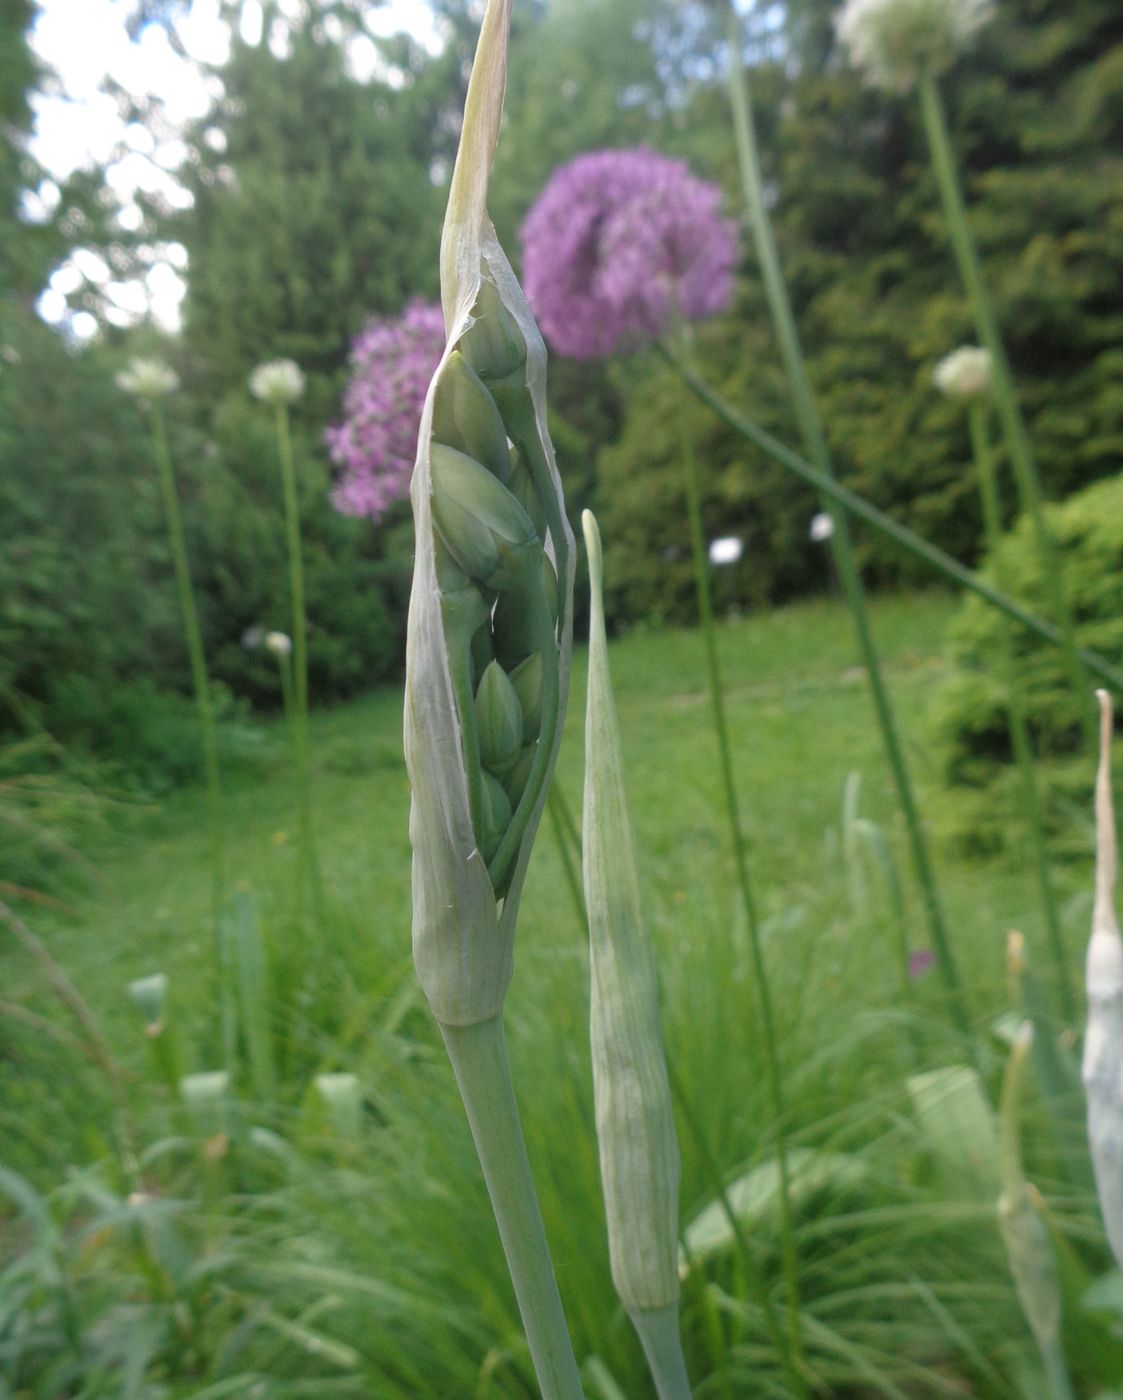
(316,201)
(1037,121)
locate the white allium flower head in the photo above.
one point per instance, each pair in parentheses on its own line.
(278,382)
(279,643)
(822,527)
(893,41)
(148,379)
(726,550)
(965,373)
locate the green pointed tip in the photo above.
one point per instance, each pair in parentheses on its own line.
(495,815)
(524,491)
(499,719)
(483,527)
(591,530)
(148,995)
(465,417)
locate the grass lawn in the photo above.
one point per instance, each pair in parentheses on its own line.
(800,721)
(405,1205)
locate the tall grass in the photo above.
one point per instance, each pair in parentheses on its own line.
(309,1255)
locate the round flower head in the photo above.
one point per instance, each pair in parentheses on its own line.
(148,379)
(893,41)
(965,373)
(821,528)
(392,362)
(279,643)
(277,382)
(618,244)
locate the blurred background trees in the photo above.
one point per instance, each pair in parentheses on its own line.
(313,200)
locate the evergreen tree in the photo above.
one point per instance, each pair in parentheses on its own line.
(314,207)
(1038,120)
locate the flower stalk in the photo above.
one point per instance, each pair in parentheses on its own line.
(306,863)
(1015,711)
(1006,404)
(857,506)
(487,668)
(479,1061)
(205,709)
(740,852)
(815,446)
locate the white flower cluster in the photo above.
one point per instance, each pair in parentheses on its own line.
(277,382)
(148,379)
(965,373)
(893,41)
(279,643)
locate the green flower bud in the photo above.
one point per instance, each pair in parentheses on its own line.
(521,485)
(342,1095)
(517,777)
(148,995)
(493,344)
(207,1098)
(496,814)
(526,679)
(465,417)
(481,524)
(499,719)
(525,618)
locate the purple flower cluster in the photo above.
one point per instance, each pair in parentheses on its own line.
(392,362)
(617,244)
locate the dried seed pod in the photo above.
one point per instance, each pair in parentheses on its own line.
(1103,1040)
(467,876)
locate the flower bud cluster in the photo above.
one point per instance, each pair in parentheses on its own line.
(894,41)
(965,374)
(277,382)
(498,589)
(148,379)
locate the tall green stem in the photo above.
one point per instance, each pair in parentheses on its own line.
(658,1330)
(1056,1369)
(815,445)
(205,709)
(479,1061)
(305,863)
(1005,397)
(1015,711)
(857,506)
(740,858)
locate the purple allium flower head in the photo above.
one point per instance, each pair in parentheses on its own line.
(392,363)
(616,243)
(921,960)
